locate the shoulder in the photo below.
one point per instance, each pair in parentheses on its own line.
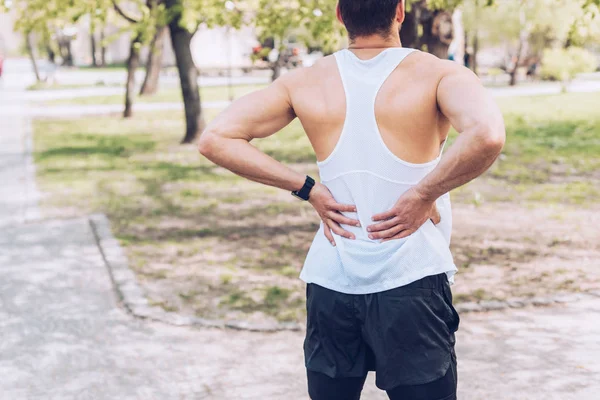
(306,76)
(434,67)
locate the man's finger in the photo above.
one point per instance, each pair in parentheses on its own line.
(384,215)
(328,234)
(400,235)
(334,226)
(341,219)
(383,225)
(436,218)
(342,207)
(388,233)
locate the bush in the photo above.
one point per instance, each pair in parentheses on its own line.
(565,64)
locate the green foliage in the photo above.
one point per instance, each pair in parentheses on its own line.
(544,22)
(143,17)
(586,28)
(208,12)
(311,20)
(564,64)
(443,4)
(49,18)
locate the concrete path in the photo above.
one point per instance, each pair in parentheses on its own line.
(70,110)
(65,336)
(525,89)
(74,110)
(18,75)
(18,196)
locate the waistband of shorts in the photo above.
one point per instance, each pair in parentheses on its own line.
(437,281)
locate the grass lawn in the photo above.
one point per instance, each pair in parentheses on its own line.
(205,241)
(167,95)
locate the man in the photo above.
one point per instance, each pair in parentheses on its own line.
(379,268)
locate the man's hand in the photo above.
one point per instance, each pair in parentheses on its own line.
(409,213)
(330,212)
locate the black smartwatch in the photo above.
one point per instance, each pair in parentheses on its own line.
(304,193)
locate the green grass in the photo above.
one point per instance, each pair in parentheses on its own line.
(167,95)
(550,154)
(175,211)
(553,129)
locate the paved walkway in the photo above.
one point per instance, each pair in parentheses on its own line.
(64,335)
(17,189)
(74,110)
(19,75)
(69,110)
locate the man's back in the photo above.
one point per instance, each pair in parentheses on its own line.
(373,144)
(408,117)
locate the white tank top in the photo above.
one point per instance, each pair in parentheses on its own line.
(362,171)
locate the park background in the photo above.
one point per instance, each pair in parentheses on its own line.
(113,94)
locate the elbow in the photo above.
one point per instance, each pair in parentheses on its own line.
(208,143)
(492,137)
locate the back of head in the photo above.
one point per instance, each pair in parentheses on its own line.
(368,17)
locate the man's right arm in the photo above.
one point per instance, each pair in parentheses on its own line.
(473,112)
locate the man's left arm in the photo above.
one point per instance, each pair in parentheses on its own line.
(226,142)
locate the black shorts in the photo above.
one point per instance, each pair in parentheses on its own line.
(405,334)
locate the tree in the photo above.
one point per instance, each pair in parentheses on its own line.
(181,39)
(564,64)
(98,15)
(428,25)
(154,62)
(525,27)
(183,23)
(585,28)
(49,22)
(39,19)
(143,22)
(309,18)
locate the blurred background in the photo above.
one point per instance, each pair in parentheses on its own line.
(112,93)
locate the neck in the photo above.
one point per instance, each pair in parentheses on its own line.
(375,42)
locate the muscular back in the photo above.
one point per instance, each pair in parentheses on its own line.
(406,109)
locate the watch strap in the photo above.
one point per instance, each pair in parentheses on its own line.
(304,193)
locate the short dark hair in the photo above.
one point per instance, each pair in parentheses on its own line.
(368,17)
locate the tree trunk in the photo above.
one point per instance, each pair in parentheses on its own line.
(475,39)
(29,45)
(438,33)
(51,54)
(437,29)
(514,72)
(188,74)
(102,48)
(277,66)
(132,64)
(93,42)
(154,63)
(523,37)
(409,31)
(69,54)
(515,69)
(475,51)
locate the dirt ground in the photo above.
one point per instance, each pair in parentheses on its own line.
(502,251)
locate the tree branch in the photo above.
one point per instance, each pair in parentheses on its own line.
(122,13)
